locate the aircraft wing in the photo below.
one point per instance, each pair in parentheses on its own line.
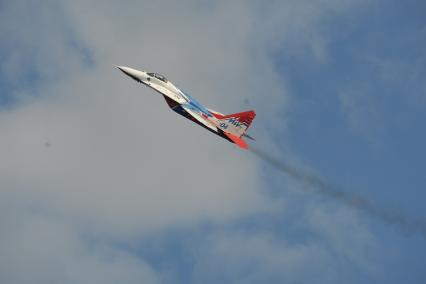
(193,112)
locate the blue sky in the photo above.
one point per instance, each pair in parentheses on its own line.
(118,196)
(376,62)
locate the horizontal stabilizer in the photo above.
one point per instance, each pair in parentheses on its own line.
(248,136)
(237,140)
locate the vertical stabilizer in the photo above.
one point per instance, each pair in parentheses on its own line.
(237,123)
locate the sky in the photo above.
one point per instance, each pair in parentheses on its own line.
(101,183)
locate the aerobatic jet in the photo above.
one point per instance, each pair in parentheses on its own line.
(232,127)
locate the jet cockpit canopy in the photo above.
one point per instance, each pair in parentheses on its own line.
(158,76)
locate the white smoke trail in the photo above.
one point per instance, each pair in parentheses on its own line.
(395,217)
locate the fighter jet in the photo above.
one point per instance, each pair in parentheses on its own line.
(232,127)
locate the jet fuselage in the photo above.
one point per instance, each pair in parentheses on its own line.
(230,127)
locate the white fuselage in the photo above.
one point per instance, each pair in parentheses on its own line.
(160,84)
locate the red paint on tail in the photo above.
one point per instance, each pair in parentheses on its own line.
(237,140)
(245,117)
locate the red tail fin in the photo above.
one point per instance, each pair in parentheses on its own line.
(245,117)
(237,123)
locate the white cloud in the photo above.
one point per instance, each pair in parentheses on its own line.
(259,258)
(330,240)
(38,247)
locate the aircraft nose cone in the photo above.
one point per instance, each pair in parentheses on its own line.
(133,73)
(124,69)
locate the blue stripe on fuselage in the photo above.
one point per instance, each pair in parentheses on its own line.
(195,104)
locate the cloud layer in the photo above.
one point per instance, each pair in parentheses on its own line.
(91,159)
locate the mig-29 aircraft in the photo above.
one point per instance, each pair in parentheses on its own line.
(232,127)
